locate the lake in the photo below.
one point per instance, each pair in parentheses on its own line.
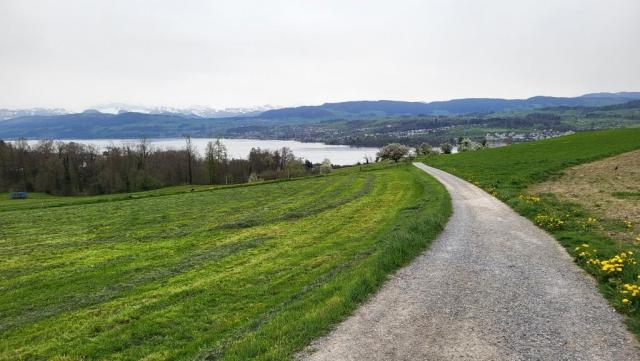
(239,148)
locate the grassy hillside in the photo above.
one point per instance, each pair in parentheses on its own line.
(230,273)
(600,244)
(511,169)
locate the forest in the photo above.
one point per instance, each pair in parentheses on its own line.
(68,168)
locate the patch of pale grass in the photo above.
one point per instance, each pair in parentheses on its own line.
(598,187)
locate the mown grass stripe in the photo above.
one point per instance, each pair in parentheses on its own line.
(169,283)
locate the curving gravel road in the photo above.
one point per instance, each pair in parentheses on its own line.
(492,286)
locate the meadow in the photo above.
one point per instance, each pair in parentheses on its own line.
(227,273)
(514,173)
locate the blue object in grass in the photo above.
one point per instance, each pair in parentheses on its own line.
(19,195)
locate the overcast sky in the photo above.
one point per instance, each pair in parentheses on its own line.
(75,54)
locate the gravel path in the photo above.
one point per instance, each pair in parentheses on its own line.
(492,287)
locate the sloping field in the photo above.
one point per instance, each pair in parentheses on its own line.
(248,272)
(608,188)
(509,170)
(512,172)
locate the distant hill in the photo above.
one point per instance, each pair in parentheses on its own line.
(93,124)
(96,124)
(625,95)
(365,109)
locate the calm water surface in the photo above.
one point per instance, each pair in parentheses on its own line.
(239,148)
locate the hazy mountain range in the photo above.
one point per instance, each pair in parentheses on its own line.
(190,112)
(117,108)
(120,120)
(448,107)
(15,113)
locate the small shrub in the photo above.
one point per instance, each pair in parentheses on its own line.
(326,167)
(446,148)
(393,151)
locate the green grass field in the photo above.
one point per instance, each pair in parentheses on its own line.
(507,173)
(226,273)
(511,169)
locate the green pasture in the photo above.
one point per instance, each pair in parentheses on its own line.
(214,273)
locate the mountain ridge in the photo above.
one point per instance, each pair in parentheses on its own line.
(447,107)
(95,124)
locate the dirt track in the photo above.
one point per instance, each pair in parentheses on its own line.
(492,286)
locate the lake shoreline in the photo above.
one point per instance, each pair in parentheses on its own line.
(239,148)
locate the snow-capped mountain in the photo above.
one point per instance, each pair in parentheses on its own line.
(15,113)
(116,108)
(194,111)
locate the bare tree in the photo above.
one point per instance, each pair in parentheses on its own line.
(216,154)
(211,162)
(144,147)
(189,150)
(286,161)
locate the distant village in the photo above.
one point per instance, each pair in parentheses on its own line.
(494,140)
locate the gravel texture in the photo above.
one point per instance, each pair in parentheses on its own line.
(492,286)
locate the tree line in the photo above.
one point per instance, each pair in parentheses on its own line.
(69,168)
